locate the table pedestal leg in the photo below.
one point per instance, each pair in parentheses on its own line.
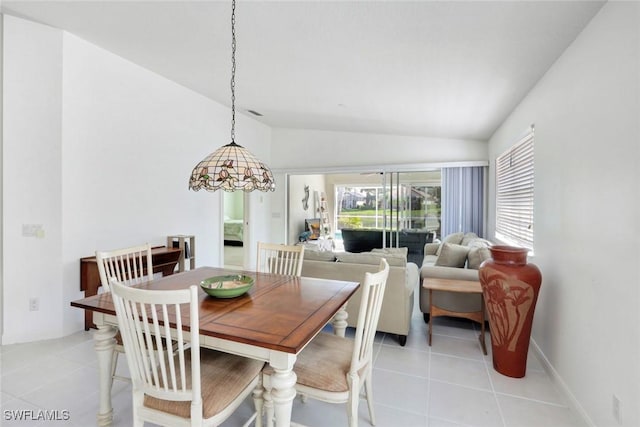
(339,321)
(104,345)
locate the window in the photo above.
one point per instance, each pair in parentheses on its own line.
(514,193)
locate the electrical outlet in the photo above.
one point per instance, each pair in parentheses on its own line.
(34,304)
(616,409)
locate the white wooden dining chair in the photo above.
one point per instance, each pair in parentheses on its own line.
(280,259)
(334,369)
(192,386)
(129,266)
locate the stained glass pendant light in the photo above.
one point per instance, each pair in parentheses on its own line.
(232,167)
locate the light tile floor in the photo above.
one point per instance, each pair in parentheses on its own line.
(449,384)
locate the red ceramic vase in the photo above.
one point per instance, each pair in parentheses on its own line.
(510,287)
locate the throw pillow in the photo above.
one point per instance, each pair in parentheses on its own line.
(369,258)
(476,256)
(455,238)
(392,251)
(452,256)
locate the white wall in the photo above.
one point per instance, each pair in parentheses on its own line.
(32,187)
(106,167)
(1,177)
(586,112)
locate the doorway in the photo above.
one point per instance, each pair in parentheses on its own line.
(234,229)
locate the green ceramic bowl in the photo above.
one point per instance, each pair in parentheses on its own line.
(229,286)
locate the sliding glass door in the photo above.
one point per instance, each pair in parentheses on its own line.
(392,209)
(413,204)
(412,217)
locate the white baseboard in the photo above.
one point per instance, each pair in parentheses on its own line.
(559,382)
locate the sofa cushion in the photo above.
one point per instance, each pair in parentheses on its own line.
(452,255)
(476,256)
(316,255)
(478,243)
(467,238)
(432,271)
(391,251)
(371,258)
(455,238)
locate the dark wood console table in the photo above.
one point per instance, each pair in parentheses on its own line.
(164,261)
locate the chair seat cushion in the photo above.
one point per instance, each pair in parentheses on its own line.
(223,375)
(324,363)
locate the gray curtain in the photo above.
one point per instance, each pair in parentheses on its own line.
(463,200)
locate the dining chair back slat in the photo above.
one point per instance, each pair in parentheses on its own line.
(146,319)
(183,384)
(280,259)
(370,308)
(130,266)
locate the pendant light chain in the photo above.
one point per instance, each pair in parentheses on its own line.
(233,71)
(232,167)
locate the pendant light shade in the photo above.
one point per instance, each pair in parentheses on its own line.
(232,167)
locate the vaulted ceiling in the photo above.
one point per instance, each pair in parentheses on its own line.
(452,69)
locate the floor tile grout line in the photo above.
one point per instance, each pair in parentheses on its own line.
(530,399)
(468,359)
(468,387)
(450,421)
(404,374)
(408,348)
(39,359)
(46,383)
(399,409)
(435,334)
(493,389)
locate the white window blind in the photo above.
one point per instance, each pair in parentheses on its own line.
(514,193)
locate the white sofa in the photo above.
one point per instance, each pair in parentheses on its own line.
(458,256)
(397,305)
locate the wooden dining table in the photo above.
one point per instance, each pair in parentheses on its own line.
(272,322)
